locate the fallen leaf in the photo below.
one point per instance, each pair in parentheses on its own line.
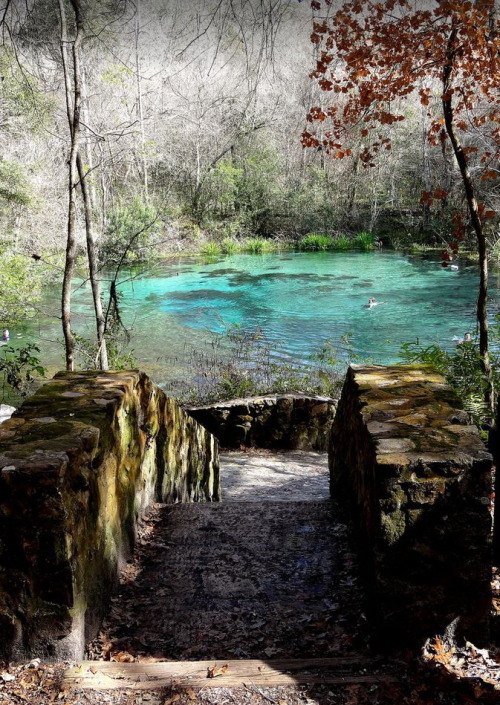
(106,650)
(214,671)
(172,699)
(123,657)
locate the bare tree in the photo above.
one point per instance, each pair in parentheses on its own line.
(73,106)
(76,179)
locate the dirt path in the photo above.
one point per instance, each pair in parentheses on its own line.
(242,579)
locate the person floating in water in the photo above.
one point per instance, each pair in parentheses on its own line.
(372,302)
(466,339)
(5,335)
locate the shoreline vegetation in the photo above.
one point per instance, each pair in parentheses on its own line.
(344,241)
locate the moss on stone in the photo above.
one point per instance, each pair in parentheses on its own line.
(392,526)
(415,500)
(79,469)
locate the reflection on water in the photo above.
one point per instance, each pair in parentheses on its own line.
(298,300)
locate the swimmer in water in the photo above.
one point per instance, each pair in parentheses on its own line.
(372,302)
(466,339)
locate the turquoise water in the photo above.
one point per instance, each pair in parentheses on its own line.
(299,300)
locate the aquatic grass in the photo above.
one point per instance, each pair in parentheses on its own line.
(253,245)
(229,246)
(418,248)
(211,249)
(341,243)
(257,245)
(364,241)
(315,241)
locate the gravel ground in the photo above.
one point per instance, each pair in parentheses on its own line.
(296,476)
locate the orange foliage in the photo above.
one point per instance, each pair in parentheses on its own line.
(385,51)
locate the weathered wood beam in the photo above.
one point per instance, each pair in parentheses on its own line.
(98,675)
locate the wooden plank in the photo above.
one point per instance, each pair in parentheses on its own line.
(99,675)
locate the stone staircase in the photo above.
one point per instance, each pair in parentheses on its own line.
(261,575)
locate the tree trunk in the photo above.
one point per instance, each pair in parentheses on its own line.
(140,109)
(426,171)
(77,177)
(89,156)
(482,313)
(73,112)
(102,354)
(352,208)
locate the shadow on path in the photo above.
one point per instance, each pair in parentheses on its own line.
(239,579)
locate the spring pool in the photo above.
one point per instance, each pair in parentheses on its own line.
(298,300)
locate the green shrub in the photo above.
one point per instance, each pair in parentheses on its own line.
(20,287)
(315,241)
(14,186)
(19,367)
(130,234)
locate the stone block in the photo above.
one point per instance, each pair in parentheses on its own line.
(424,492)
(81,462)
(418,479)
(287,421)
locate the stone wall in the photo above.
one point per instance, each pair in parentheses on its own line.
(80,462)
(287,421)
(418,479)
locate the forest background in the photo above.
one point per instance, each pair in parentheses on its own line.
(192,113)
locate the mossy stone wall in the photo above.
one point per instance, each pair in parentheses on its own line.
(418,480)
(80,462)
(283,421)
